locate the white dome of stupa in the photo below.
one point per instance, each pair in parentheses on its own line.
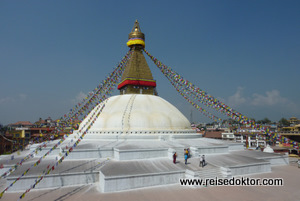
(138,114)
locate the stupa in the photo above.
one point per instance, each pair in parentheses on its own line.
(138,110)
(131,143)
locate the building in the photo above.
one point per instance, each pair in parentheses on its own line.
(22,133)
(45,123)
(294,121)
(228,134)
(251,137)
(21,124)
(213,133)
(292,132)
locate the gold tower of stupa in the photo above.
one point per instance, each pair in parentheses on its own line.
(137,77)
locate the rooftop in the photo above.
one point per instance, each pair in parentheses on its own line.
(24,123)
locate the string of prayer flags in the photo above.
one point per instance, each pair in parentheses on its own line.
(189,89)
(94,116)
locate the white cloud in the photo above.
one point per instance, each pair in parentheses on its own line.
(271,98)
(22,97)
(8,99)
(79,97)
(237,98)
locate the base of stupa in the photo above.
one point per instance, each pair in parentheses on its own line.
(154,136)
(123,164)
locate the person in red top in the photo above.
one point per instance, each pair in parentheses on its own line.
(174,158)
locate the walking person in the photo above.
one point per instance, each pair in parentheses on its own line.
(185,158)
(174,158)
(201,162)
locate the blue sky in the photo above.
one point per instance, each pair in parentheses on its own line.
(246,53)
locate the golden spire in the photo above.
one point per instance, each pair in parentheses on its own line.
(136,37)
(137,77)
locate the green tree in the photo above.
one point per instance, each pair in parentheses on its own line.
(267,121)
(264,121)
(3,129)
(283,122)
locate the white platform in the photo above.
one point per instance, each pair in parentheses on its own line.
(136,163)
